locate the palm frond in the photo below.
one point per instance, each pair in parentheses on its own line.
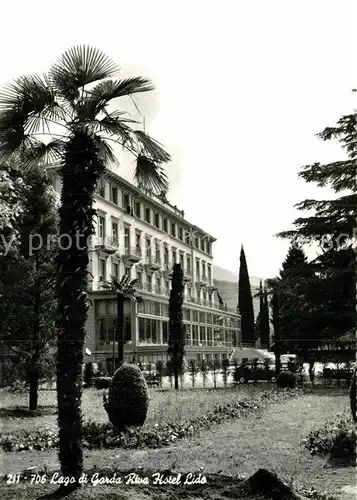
(115,127)
(106,153)
(47,154)
(150,175)
(125,285)
(152,148)
(107,90)
(79,66)
(14,144)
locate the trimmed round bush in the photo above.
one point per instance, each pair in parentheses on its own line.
(128,398)
(286,380)
(353,395)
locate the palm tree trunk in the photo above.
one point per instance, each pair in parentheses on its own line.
(80,174)
(34,375)
(120,328)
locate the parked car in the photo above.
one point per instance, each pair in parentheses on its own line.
(150,373)
(255,372)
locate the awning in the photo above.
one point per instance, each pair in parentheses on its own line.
(251,353)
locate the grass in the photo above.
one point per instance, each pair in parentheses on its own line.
(164,406)
(271,440)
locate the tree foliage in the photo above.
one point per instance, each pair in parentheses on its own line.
(245,302)
(28,272)
(176,349)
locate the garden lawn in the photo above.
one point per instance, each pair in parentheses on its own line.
(165,406)
(271,440)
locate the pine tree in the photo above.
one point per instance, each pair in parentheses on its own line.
(333,226)
(245,302)
(176,349)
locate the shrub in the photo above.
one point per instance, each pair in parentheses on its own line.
(215,367)
(128,399)
(286,380)
(102,382)
(353,395)
(337,439)
(192,369)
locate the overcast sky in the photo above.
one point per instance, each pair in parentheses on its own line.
(242,87)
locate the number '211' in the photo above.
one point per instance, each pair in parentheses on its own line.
(13,478)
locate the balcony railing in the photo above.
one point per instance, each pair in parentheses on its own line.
(132,254)
(153,262)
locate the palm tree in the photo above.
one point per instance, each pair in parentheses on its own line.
(68,107)
(125,287)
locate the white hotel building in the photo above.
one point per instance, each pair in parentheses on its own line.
(143,235)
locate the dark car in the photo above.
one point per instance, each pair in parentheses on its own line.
(254,372)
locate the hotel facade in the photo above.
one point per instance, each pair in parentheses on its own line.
(142,235)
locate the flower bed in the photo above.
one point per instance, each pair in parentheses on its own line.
(337,439)
(99,435)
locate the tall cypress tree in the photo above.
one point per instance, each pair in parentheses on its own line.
(265,326)
(176,349)
(245,302)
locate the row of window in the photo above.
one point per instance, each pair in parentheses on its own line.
(137,209)
(115,269)
(107,308)
(154,308)
(152,331)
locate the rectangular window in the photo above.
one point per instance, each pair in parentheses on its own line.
(173,229)
(156,311)
(203,335)
(157,250)
(148,215)
(209,319)
(158,287)
(126,200)
(180,233)
(157,220)
(209,248)
(196,242)
(101,226)
(165,310)
(195,316)
(202,245)
(197,270)
(202,317)
(167,287)
(165,223)
(115,270)
(209,336)
(182,262)
(188,262)
(127,239)
(115,232)
(166,255)
(203,271)
(209,273)
(186,314)
(101,189)
(147,247)
(102,270)
(138,239)
(139,277)
(137,209)
(114,194)
(174,256)
(165,332)
(195,335)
